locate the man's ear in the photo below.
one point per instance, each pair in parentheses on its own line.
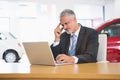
(75,19)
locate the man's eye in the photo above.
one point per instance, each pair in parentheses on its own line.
(66,23)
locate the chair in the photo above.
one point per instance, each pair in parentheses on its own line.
(102,50)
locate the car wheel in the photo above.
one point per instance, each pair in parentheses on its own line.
(11,57)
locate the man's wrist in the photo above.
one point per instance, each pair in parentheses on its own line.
(55,43)
(56,40)
(76,59)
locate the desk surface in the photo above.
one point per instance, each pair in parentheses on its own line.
(77,71)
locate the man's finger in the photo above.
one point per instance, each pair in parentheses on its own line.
(59,25)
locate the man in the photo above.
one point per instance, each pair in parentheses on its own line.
(86,44)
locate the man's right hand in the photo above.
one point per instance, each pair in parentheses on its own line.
(57,33)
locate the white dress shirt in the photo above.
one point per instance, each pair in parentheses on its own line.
(76,33)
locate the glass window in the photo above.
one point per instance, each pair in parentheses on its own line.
(88,16)
(112,30)
(2,37)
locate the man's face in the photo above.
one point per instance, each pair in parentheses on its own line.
(68,23)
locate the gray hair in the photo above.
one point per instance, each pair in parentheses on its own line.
(67,12)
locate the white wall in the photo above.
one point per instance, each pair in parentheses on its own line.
(33,23)
(117,8)
(109,9)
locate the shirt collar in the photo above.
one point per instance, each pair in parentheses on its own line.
(77,32)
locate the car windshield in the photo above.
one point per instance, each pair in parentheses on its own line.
(112,30)
(12,35)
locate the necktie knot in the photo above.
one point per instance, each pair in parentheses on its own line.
(73,35)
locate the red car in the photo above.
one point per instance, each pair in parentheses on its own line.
(112,29)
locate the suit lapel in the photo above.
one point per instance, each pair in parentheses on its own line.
(67,43)
(80,37)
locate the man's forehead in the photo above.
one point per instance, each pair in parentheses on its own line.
(65,19)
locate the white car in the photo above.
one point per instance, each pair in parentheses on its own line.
(11,49)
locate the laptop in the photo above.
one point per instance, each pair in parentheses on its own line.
(40,53)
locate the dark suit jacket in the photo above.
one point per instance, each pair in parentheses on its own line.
(86,48)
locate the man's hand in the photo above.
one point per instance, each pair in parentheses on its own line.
(64,58)
(57,32)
